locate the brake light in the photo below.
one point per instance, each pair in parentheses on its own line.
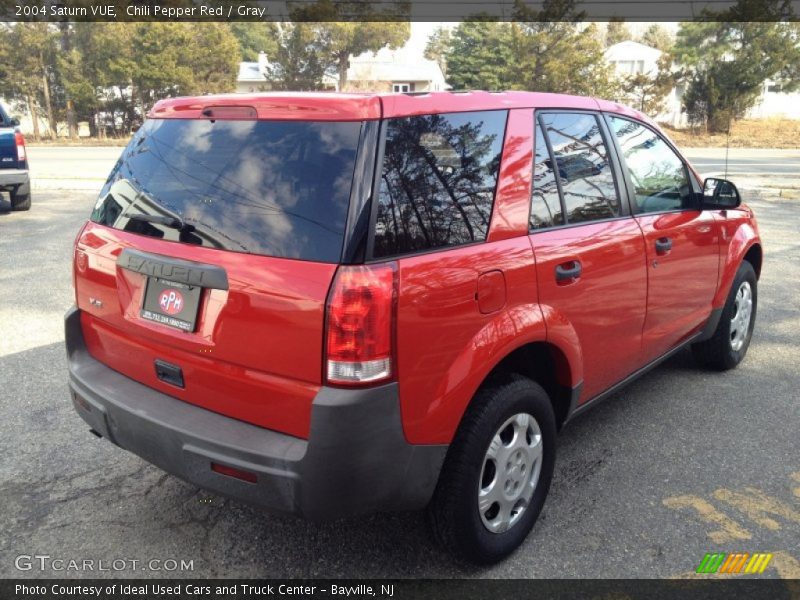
(20,141)
(360,325)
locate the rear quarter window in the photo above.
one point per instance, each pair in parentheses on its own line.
(438,181)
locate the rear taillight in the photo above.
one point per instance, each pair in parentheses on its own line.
(360,325)
(20,141)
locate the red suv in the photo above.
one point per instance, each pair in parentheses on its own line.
(331,304)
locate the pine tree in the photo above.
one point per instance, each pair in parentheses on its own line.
(726,61)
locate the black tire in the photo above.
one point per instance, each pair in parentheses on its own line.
(718,352)
(20,201)
(453,513)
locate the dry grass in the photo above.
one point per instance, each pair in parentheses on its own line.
(763,133)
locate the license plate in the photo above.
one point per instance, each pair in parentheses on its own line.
(171,303)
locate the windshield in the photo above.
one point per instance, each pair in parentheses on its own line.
(276,188)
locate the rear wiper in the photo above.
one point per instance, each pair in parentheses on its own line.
(172,222)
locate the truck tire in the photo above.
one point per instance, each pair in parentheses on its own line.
(497,472)
(728,345)
(20,201)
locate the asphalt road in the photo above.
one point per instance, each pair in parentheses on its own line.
(681,463)
(745,161)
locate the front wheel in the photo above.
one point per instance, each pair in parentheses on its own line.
(497,472)
(727,347)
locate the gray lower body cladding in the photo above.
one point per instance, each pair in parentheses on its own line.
(15,180)
(355,461)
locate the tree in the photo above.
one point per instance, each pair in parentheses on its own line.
(297,64)
(656,36)
(561,57)
(160,69)
(336,39)
(95,67)
(479,56)
(255,37)
(727,61)
(617,31)
(547,50)
(214,59)
(647,92)
(439,44)
(31,69)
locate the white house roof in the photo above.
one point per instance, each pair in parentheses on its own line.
(385,65)
(253,72)
(630,50)
(375,70)
(250,72)
(394,65)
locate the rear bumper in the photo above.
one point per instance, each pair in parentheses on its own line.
(355,461)
(13,178)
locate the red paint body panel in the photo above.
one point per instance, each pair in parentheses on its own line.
(738,233)
(682,282)
(513,197)
(605,307)
(277,106)
(256,353)
(445,345)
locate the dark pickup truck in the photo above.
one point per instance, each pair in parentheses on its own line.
(14,177)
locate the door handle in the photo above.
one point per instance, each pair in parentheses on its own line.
(663,245)
(568,271)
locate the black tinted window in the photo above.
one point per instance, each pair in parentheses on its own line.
(545,201)
(438,181)
(658,175)
(582,163)
(277,188)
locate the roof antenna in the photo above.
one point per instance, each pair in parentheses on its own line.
(728,139)
(727,146)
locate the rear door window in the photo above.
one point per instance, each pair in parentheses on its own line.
(275,188)
(438,181)
(581,165)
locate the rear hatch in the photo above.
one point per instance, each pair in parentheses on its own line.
(205,267)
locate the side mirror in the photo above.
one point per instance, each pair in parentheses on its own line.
(14,122)
(719,194)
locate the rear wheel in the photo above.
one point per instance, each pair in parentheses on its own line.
(728,346)
(497,472)
(21,201)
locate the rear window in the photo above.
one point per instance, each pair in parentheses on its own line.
(438,181)
(275,188)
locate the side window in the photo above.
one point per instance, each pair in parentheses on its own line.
(658,174)
(545,201)
(438,181)
(582,167)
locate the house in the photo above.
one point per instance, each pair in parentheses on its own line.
(252,77)
(774,102)
(384,71)
(394,71)
(633,58)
